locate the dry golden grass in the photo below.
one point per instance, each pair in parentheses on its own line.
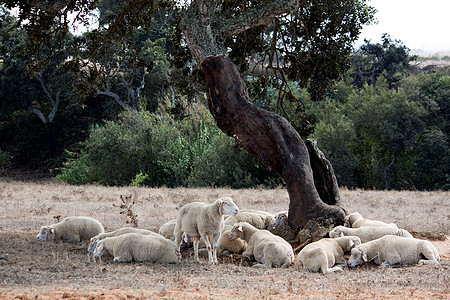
(56,270)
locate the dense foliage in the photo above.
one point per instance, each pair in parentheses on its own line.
(135,112)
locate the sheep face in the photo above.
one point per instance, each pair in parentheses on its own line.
(335,233)
(353,242)
(358,256)
(46,233)
(100,250)
(228,207)
(236,232)
(92,245)
(280,219)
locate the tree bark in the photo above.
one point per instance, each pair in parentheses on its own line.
(271,138)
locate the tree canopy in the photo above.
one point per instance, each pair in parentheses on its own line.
(305,41)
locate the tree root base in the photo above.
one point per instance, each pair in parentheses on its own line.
(313,231)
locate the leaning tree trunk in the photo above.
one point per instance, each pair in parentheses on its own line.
(271,138)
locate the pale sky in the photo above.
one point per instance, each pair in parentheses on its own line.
(420,25)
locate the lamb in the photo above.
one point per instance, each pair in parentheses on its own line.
(280,218)
(71,230)
(259,219)
(100,236)
(325,253)
(205,221)
(392,250)
(225,245)
(356,220)
(268,249)
(139,248)
(367,233)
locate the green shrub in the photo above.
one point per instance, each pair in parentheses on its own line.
(143,149)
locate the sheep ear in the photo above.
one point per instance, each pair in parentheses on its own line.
(342,235)
(52,230)
(364,257)
(350,242)
(240,228)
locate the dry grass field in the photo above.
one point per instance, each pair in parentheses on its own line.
(30,269)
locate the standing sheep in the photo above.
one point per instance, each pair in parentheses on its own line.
(392,250)
(259,219)
(356,220)
(268,249)
(71,229)
(205,221)
(367,233)
(139,248)
(325,253)
(101,236)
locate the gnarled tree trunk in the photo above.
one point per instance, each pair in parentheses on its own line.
(271,138)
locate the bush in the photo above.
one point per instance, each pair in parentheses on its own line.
(164,152)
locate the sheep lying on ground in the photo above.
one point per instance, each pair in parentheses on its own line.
(356,220)
(325,253)
(140,248)
(205,221)
(367,233)
(268,249)
(100,236)
(71,229)
(225,245)
(259,219)
(394,250)
(280,218)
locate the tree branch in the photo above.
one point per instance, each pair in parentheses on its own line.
(39,114)
(255,17)
(113,95)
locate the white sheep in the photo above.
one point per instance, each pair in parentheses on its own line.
(356,220)
(259,219)
(205,221)
(392,250)
(280,218)
(166,229)
(139,248)
(266,248)
(324,254)
(71,229)
(124,230)
(225,245)
(367,233)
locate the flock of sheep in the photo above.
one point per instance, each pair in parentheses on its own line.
(221,227)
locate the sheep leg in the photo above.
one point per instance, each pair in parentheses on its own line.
(342,263)
(209,248)
(333,269)
(214,244)
(196,242)
(429,254)
(120,259)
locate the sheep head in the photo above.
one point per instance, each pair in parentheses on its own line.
(353,217)
(236,232)
(46,233)
(227,206)
(280,219)
(336,232)
(99,250)
(358,256)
